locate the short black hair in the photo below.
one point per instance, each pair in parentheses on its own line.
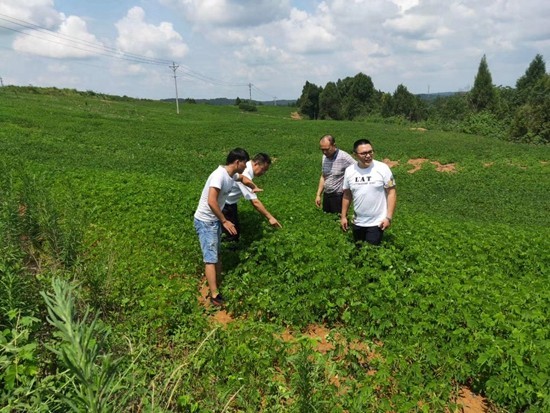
(360,142)
(237,154)
(262,159)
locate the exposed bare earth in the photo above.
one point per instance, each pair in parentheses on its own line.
(469,402)
(450,167)
(390,163)
(417,165)
(221,316)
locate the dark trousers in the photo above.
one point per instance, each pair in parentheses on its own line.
(372,235)
(332,203)
(231,213)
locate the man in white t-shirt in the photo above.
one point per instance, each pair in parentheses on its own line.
(258,166)
(209,217)
(370,185)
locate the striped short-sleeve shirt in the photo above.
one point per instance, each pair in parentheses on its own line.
(333,170)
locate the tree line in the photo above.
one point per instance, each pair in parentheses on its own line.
(520,114)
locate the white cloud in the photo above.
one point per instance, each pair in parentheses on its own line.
(70,40)
(428,45)
(308,34)
(257,52)
(228,37)
(230,12)
(411,24)
(138,37)
(38,12)
(405,5)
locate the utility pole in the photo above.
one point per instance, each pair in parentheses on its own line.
(174,68)
(1,82)
(250,93)
(274,100)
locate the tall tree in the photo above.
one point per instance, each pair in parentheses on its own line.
(535,71)
(482,95)
(308,103)
(359,95)
(404,103)
(532,120)
(330,102)
(386,105)
(362,88)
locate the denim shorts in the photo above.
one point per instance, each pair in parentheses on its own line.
(209,238)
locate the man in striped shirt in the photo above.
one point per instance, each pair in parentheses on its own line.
(334,163)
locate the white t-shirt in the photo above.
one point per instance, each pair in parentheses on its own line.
(239,189)
(218,179)
(368,188)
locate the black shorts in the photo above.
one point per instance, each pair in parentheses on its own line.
(332,203)
(372,235)
(231,213)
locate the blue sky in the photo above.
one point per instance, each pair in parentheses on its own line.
(222,46)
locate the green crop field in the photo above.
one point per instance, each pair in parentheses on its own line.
(97,196)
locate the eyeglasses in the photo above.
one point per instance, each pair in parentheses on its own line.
(365,153)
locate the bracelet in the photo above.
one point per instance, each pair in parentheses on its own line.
(389,219)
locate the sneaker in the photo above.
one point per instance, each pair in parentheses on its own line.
(218,300)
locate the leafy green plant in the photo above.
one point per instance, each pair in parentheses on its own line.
(18,358)
(92,375)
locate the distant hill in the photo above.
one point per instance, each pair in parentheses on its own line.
(226,101)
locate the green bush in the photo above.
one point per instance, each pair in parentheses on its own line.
(248,107)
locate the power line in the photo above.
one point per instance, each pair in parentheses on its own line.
(77,43)
(99,49)
(105,51)
(256,88)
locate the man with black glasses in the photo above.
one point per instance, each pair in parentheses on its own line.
(370,185)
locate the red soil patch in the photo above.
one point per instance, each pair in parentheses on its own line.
(320,333)
(417,163)
(390,163)
(450,167)
(470,402)
(221,316)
